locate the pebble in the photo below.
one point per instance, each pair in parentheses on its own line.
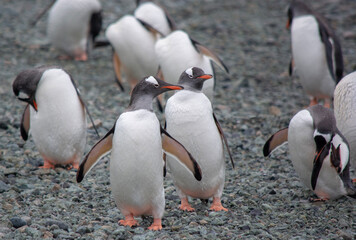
(60,224)
(17,222)
(3,187)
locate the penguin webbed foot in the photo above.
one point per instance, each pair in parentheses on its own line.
(185,206)
(156,225)
(129,221)
(315,200)
(47,165)
(217,206)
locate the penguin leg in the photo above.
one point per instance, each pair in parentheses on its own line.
(313,101)
(47,164)
(156,225)
(129,221)
(185,206)
(354,180)
(83,56)
(327,102)
(217,206)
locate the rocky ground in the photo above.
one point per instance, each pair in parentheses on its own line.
(264,195)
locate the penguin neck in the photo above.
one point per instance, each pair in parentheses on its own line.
(193,88)
(142,102)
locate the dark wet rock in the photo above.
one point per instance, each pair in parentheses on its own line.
(17,222)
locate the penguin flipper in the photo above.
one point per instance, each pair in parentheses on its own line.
(210,54)
(276,140)
(99,150)
(150,28)
(326,39)
(318,163)
(175,149)
(117,68)
(222,135)
(291,67)
(25,123)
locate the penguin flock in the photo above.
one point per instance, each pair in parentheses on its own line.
(155,57)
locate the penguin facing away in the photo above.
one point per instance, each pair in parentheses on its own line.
(54,114)
(177,52)
(136,164)
(190,120)
(319,152)
(345,112)
(316,50)
(73,26)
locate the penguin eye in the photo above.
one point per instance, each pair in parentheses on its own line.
(156,85)
(190,76)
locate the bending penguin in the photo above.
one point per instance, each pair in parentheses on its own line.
(54,114)
(319,152)
(136,164)
(73,26)
(190,120)
(316,51)
(177,52)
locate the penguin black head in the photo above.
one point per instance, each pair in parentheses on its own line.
(146,90)
(296,9)
(193,78)
(25,85)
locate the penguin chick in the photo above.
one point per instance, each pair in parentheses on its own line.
(316,50)
(55,114)
(73,26)
(319,152)
(190,120)
(136,164)
(177,52)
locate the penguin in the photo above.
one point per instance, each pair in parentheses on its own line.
(316,50)
(136,164)
(73,26)
(177,52)
(55,114)
(319,152)
(344,108)
(190,120)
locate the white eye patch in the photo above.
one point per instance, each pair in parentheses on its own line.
(189,71)
(23,95)
(152,80)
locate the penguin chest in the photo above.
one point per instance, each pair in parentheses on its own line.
(136,166)
(310,58)
(191,123)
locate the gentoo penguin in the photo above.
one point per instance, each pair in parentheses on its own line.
(55,114)
(177,52)
(190,120)
(136,165)
(319,152)
(73,26)
(316,50)
(345,112)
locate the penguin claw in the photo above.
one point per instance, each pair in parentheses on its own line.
(217,206)
(156,225)
(185,206)
(129,222)
(47,164)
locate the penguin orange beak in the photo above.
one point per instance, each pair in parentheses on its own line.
(34,104)
(288,24)
(206,76)
(173,87)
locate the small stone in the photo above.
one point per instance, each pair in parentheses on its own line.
(3,187)
(272,192)
(267,207)
(176,228)
(47,234)
(203,222)
(56,187)
(194,224)
(83,230)
(275,110)
(60,224)
(34,233)
(17,222)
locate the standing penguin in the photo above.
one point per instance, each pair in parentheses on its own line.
(316,50)
(345,112)
(177,52)
(73,26)
(55,114)
(190,119)
(319,152)
(136,165)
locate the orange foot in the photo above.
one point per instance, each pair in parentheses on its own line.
(47,164)
(129,221)
(185,206)
(314,200)
(313,102)
(354,180)
(74,165)
(156,225)
(81,57)
(217,206)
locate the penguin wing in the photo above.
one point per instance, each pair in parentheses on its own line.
(117,68)
(99,150)
(275,141)
(318,163)
(210,54)
(25,123)
(222,135)
(175,149)
(150,28)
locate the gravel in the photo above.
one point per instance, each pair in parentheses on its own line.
(264,195)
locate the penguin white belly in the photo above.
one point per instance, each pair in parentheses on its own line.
(136,165)
(176,54)
(134,45)
(190,120)
(310,58)
(345,112)
(59,126)
(153,15)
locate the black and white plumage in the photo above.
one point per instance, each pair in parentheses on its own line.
(316,51)
(319,152)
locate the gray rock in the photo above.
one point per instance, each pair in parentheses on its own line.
(17,222)
(3,187)
(84,229)
(60,224)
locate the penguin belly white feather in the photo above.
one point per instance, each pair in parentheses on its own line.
(302,149)
(176,53)
(134,45)
(190,120)
(136,165)
(68,24)
(310,58)
(345,112)
(59,126)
